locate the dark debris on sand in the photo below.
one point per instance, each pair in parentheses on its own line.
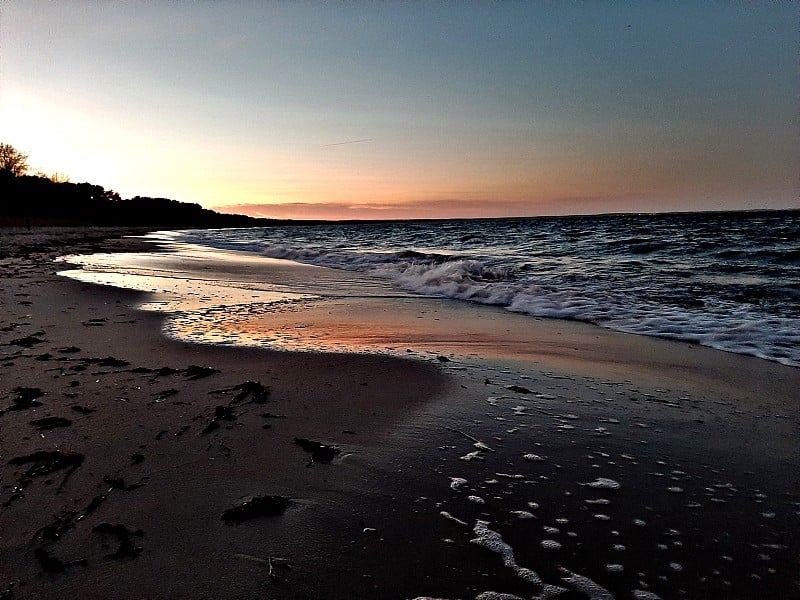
(94,323)
(221,413)
(118,483)
(26,398)
(269,415)
(126,548)
(167,371)
(319,452)
(109,361)
(48,423)
(65,521)
(62,523)
(43,462)
(255,507)
(28,341)
(52,564)
(251,391)
(193,372)
(94,504)
(519,389)
(48,461)
(164,394)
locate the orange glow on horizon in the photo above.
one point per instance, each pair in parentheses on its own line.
(372,179)
(435,209)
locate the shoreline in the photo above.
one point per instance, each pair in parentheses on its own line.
(306,308)
(379,501)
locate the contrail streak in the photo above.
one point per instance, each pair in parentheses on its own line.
(349,142)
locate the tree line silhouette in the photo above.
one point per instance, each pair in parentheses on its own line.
(41,200)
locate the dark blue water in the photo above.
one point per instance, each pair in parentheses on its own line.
(726,280)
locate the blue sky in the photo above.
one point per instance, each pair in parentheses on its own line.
(447,109)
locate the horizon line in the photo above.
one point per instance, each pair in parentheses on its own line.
(312,221)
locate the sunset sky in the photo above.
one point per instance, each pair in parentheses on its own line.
(392,110)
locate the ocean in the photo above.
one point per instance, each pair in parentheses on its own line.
(555,458)
(728,280)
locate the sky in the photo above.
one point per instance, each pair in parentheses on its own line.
(410,109)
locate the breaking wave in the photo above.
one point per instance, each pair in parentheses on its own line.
(728,281)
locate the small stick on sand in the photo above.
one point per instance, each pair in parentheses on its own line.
(254,559)
(469,437)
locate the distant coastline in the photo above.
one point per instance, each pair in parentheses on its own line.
(34,201)
(30,200)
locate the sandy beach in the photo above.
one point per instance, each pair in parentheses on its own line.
(414,457)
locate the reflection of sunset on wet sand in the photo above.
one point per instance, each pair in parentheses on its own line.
(237,299)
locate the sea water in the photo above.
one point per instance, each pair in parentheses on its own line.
(726,280)
(576,486)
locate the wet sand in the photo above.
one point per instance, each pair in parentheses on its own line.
(645,466)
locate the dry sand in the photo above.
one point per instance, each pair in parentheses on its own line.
(701,446)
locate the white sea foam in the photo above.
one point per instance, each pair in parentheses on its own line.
(533,457)
(604,483)
(493,541)
(523,514)
(586,586)
(475,455)
(450,517)
(457,482)
(551,530)
(644,595)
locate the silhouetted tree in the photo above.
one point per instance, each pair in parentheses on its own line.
(12,160)
(57,177)
(53,200)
